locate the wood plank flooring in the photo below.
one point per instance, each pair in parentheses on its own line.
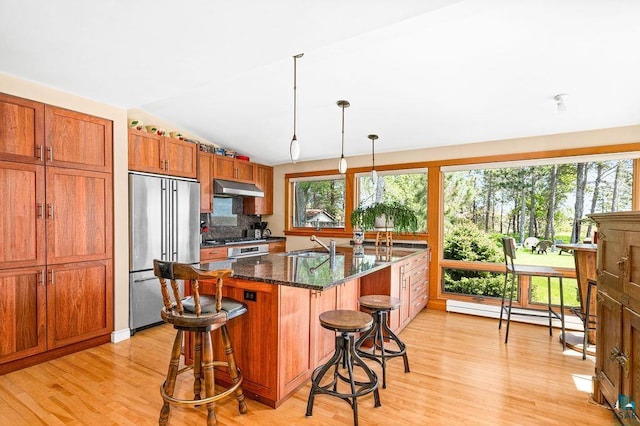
(461,373)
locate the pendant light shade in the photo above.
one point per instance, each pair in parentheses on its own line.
(342,164)
(294,147)
(374,174)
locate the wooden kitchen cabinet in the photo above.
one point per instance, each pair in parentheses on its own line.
(79,302)
(79,215)
(56,238)
(22,238)
(23,331)
(617,370)
(406,280)
(277,246)
(230,168)
(153,153)
(213,254)
(21,130)
(77,140)
(205,177)
(264,181)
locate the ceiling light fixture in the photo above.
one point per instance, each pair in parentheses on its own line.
(560,98)
(374,174)
(342,164)
(294,147)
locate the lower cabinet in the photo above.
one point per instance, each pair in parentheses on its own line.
(52,307)
(24,328)
(279,341)
(406,280)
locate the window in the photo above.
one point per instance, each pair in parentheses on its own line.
(527,201)
(406,186)
(318,202)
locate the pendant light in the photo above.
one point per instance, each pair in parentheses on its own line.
(294,147)
(342,164)
(374,174)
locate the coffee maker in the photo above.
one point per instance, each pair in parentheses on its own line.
(259,230)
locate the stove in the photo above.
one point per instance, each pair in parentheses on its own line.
(234,241)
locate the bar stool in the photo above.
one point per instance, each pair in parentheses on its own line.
(380,306)
(199,314)
(344,323)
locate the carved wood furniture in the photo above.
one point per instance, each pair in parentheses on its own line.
(344,323)
(199,314)
(371,344)
(617,375)
(513,270)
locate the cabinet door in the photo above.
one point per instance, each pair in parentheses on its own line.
(224,167)
(609,339)
(180,158)
(22,229)
(322,340)
(405,295)
(21,130)
(611,255)
(79,215)
(245,171)
(79,302)
(77,140)
(146,152)
(631,374)
(632,269)
(264,181)
(347,295)
(22,329)
(205,177)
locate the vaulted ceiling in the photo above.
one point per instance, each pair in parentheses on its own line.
(419,73)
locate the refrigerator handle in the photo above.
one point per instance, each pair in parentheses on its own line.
(163,216)
(174,221)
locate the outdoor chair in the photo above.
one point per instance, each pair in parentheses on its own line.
(515,271)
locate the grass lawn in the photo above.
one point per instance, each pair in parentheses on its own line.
(539,284)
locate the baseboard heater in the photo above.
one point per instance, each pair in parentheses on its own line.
(571,322)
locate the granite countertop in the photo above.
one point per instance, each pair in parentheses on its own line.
(248,242)
(315,271)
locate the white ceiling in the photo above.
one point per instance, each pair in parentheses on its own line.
(419,73)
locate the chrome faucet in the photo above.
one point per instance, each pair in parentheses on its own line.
(332,245)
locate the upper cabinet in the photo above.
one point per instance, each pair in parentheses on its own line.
(205,177)
(21,130)
(233,169)
(264,181)
(73,140)
(77,140)
(149,152)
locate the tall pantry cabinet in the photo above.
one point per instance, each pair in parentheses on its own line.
(56,231)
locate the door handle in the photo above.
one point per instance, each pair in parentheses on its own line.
(52,281)
(50,210)
(40,153)
(50,153)
(40,209)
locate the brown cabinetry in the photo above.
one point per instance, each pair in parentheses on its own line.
(264,181)
(61,212)
(205,177)
(230,168)
(212,254)
(153,153)
(618,312)
(406,280)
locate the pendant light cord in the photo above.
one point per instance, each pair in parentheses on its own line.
(295,97)
(342,155)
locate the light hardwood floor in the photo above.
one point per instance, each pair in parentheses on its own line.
(461,373)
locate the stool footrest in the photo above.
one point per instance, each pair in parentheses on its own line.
(201,401)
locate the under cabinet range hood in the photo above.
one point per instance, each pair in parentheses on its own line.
(227,187)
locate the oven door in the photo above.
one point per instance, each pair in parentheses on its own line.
(247,251)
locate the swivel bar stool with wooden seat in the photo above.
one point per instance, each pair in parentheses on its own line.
(199,314)
(380,306)
(345,323)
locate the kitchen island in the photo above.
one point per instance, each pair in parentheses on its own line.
(279,341)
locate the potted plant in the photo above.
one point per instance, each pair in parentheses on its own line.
(383,216)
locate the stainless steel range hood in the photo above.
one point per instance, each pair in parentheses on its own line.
(227,187)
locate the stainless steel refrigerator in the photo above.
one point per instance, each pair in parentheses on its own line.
(164,223)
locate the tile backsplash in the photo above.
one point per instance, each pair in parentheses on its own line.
(228,220)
